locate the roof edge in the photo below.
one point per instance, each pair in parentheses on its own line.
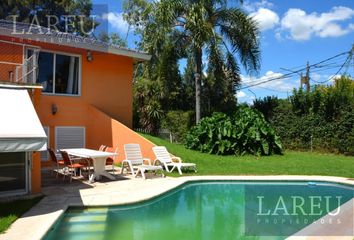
(70,40)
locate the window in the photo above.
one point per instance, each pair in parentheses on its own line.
(58,73)
(66,74)
(13,177)
(45,71)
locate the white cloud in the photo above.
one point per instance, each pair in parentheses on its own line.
(241,94)
(116,20)
(253,6)
(332,30)
(280,84)
(302,25)
(315,76)
(275,87)
(266,18)
(242,97)
(262,14)
(278,35)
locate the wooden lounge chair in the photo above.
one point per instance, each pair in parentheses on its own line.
(135,162)
(164,158)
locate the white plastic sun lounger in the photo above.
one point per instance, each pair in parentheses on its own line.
(164,158)
(135,162)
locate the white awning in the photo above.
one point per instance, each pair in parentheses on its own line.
(20,128)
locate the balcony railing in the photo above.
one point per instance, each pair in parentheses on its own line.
(25,73)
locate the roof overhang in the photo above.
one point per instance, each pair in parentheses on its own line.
(20,128)
(70,40)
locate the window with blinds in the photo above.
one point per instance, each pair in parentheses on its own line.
(69,137)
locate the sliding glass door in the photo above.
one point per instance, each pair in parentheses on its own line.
(13,173)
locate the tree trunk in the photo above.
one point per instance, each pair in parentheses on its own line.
(197,77)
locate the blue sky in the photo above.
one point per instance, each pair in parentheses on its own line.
(292,33)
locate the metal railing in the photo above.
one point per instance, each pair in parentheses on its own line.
(27,72)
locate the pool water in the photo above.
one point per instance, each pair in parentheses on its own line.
(201,210)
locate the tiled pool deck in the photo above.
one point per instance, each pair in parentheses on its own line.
(35,223)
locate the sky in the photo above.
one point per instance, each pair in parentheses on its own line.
(292,33)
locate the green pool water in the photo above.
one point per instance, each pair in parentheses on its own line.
(206,210)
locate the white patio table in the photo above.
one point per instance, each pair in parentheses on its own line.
(99,161)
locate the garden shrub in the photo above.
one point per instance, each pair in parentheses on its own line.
(266,106)
(245,132)
(321,119)
(178,123)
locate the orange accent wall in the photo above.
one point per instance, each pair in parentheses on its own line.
(106,82)
(36,173)
(114,134)
(104,106)
(9,53)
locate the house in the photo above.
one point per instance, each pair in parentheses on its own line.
(81,90)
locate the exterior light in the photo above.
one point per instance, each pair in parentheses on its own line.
(89,56)
(54,109)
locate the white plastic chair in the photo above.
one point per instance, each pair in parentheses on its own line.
(135,161)
(164,158)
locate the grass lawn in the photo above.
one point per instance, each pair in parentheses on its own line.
(291,163)
(10,211)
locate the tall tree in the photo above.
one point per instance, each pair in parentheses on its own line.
(113,38)
(207,27)
(188,83)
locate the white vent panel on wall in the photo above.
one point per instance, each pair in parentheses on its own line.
(69,137)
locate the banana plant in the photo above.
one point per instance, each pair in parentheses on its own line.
(246,131)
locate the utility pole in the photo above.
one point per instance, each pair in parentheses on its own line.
(305,80)
(351,58)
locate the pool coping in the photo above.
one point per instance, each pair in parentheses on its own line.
(41,217)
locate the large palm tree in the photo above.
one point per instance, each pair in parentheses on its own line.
(208,27)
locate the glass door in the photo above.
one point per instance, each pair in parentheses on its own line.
(13,173)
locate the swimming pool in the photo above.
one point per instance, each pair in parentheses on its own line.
(209,210)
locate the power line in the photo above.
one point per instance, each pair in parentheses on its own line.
(273,90)
(269,80)
(326,69)
(288,75)
(293,68)
(269,89)
(326,60)
(333,76)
